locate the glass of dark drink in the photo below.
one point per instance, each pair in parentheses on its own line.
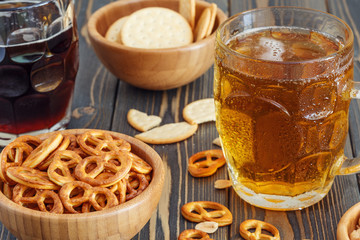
(283,85)
(38,66)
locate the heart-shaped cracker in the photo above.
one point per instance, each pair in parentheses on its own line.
(141,121)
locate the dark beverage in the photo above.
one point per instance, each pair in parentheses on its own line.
(37,74)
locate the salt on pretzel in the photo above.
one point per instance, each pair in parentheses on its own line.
(31,177)
(43,150)
(118,164)
(139,165)
(197,212)
(59,171)
(97,142)
(45,200)
(13,155)
(88,195)
(259,226)
(192,234)
(206,163)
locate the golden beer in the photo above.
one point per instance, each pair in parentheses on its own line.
(282,99)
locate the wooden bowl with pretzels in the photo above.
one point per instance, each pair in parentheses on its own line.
(151,67)
(79,184)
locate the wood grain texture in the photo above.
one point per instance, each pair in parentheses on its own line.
(101,101)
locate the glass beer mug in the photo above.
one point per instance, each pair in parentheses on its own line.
(38,66)
(283,85)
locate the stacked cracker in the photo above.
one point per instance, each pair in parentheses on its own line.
(158,27)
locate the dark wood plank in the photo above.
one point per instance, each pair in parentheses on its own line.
(95,87)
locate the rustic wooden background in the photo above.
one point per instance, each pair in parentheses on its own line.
(101,101)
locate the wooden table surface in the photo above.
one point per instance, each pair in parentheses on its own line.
(101,101)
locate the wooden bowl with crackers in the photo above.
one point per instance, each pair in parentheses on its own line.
(156,44)
(348,227)
(110,206)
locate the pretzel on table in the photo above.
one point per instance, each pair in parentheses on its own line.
(193,234)
(258,234)
(197,212)
(206,163)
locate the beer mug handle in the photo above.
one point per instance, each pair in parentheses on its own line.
(351,165)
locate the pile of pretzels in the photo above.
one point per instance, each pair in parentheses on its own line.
(72,173)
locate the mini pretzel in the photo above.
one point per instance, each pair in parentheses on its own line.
(13,155)
(46,200)
(117,163)
(33,141)
(98,142)
(31,177)
(59,169)
(88,194)
(197,212)
(63,146)
(259,226)
(7,190)
(139,165)
(119,189)
(192,234)
(198,167)
(43,150)
(136,184)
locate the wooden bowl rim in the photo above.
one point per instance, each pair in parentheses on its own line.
(158,179)
(91,26)
(343,227)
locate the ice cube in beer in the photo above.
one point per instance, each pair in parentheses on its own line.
(14,81)
(47,74)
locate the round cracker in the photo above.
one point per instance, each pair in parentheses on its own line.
(113,34)
(213,10)
(187,10)
(156,27)
(200,111)
(202,24)
(168,133)
(141,121)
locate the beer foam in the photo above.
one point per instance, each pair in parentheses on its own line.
(272,49)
